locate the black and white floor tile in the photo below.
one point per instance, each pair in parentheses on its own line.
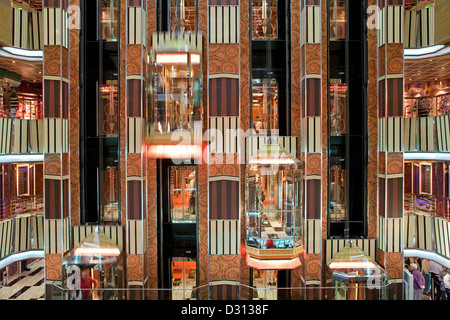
(28,285)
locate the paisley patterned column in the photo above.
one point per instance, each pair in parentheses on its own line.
(135,165)
(152,251)
(56,139)
(74,121)
(313,106)
(390,144)
(244,117)
(297,274)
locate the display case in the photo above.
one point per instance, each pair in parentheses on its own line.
(175,93)
(273,197)
(353,275)
(97,257)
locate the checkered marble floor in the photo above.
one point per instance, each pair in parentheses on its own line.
(28,285)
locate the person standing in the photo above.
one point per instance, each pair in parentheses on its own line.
(447,284)
(427,275)
(419,281)
(435,270)
(10,100)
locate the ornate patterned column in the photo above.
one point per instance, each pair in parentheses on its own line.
(152,251)
(297,275)
(390,144)
(56,139)
(134,163)
(223,114)
(313,127)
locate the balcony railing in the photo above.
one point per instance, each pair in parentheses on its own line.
(427,205)
(20,205)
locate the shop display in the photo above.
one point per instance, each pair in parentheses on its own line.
(176,87)
(264,19)
(355,276)
(273,200)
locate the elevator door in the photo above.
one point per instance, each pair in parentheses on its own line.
(177,228)
(184,278)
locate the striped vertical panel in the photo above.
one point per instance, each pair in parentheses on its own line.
(21,139)
(224,237)
(313,197)
(410,221)
(381,34)
(20,28)
(223,2)
(395,96)
(134,135)
(53,233)
(411,29)
(137,26)
(313,236)
(314,97)
(115,233)
(6,233)
(424,232)
(36,130)
(195,40)
(56,133)
(66,234)
(56,31)
(426,27)
(426,134)
(5,135)
(441,235)
(134,97)
(394,134)
(394,197)
(224,24)
(381,226)
(224,97)
(254,143)
(22,234)
(37,232)
(410,134)
(134,243)
(311,26)
(224,199)
(394,233)
(134,199)
(224,134)
(35,31)
(52,96)
(52,199)
(394,24)
(224,291)
(443,133)
(333,246)
(314,135)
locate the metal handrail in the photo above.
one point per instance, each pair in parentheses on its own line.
(436,206)
(11,207)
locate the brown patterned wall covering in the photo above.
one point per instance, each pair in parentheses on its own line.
(295,74)
(244,114)
(224,58)
(372,124)
(224,267)
(152,223)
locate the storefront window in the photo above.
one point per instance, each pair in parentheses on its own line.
(184,278)
(338,19)
(265,282)
(183,194)
(183,15)
(109,20)
(176,83)
(273,199)
(264,19)
(109,110)
(22,180)
(265,105)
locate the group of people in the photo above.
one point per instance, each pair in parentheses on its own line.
(429,275)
